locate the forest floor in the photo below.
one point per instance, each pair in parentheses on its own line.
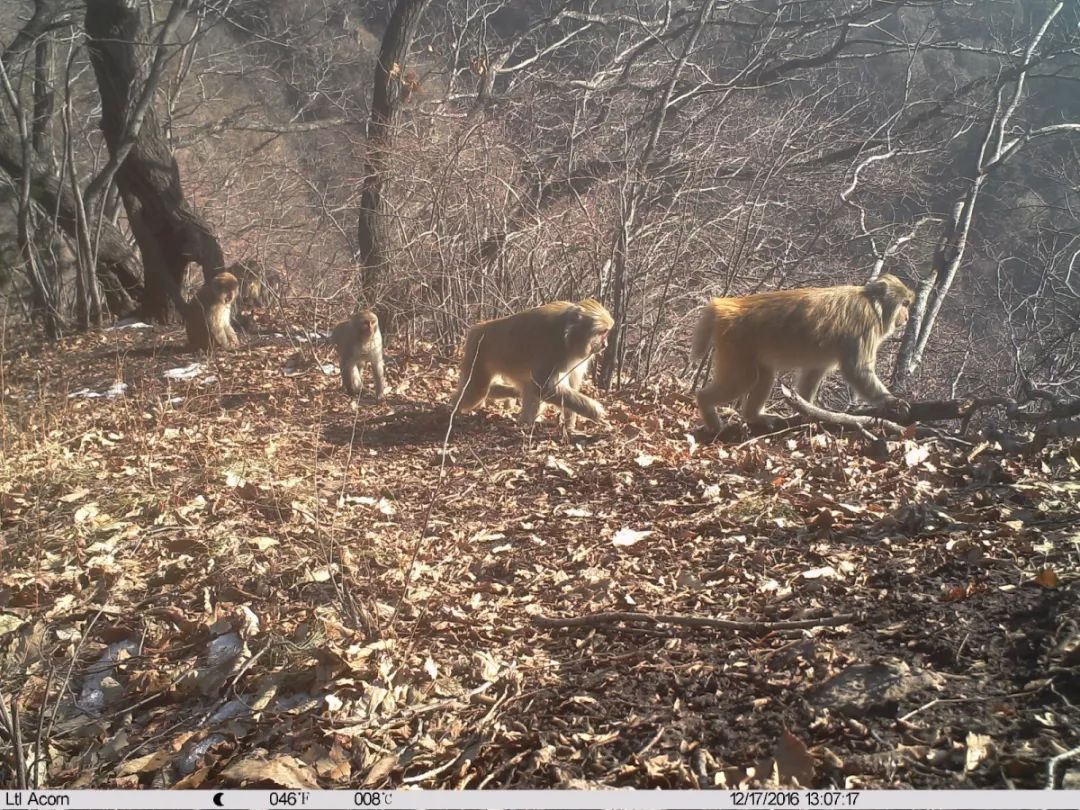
(238,576)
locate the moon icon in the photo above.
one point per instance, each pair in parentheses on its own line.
(217,800)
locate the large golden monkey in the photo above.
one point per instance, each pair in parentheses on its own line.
(815,330)
(207,315)
(543,352)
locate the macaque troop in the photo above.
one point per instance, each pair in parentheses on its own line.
(541,355)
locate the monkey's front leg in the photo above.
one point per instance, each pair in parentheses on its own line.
(358,371)
(350,376)
(530,406)
(864,380)
(378,371)
(570,400)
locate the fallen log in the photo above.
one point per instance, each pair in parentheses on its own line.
(863,423)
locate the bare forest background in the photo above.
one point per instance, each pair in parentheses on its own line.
(650,153)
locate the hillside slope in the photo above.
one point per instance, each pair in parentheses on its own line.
(242,578)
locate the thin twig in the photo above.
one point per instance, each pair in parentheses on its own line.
(1054,765)
(10,722)
(598,619)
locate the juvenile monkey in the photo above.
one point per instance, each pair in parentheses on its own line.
(542,352)
(259,284)
(207,315)
(359,343)
(815,330)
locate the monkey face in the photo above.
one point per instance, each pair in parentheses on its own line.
(225,287)
(902,313)
(587,327)
(367,326)
(585,336)
(599,340)
(894,299)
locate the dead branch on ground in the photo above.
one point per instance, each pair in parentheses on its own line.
(614,617)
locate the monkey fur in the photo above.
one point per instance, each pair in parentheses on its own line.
(359,343)
(542,352)
(208,314)
(814,330)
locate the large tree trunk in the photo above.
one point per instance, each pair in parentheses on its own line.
(932,291)
(169,233)
(373,232)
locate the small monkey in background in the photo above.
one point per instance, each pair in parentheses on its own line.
(259,285)
(208,314)
(815,330)
(359,343)
(542,352)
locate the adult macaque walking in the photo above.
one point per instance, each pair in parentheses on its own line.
(815,330)
(359,343)
(542,352)
(208,314)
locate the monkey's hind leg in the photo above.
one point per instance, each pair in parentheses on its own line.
(351,378)
(810,381)
(716,393)
(472,391)
(707,399)
(754,408)
(730,382)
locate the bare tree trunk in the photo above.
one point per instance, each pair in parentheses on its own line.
(638,188)
(170,234)
(48,15)
(373,232)
(45,295)
(932,292)
(611,362)
(116,266)
(994,151)
(43,99)
(87,302)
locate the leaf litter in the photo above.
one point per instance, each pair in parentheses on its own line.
(231,576)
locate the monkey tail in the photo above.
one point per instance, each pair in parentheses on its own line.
(469,355)
(703,333)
